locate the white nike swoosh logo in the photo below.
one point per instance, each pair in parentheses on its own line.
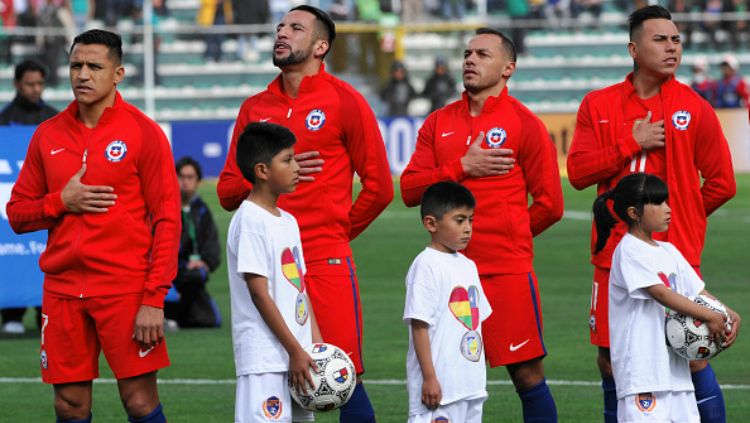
(142,353)
(53,152)
(604,121)
(706,399)
(445,134)
(265,119)
(516,347)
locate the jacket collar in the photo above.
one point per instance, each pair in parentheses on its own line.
(308,84)
(492,103)
(668,88)
(72,110)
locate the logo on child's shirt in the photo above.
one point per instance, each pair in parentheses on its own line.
(645,401)
(272,408)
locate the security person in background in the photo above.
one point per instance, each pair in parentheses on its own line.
(28,108)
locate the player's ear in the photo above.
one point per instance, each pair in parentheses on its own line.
(261,171)
(633,214)
(430,223)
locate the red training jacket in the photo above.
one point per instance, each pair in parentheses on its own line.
(328,115)
(504,223)
(603,146)
(131,248)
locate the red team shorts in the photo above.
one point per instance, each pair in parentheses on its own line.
(334,291)
(599,312)
(75,330)
(513,332)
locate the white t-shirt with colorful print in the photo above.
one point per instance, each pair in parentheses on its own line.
(443,290)
(263,244)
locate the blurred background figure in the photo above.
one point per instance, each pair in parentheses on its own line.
(702,82)
(214,13)
(199,255)
(58,15)
(399,92)
(250,13)
(412,10)
(731,90)
(27,108)
(440,87)
(452,9)
(592,6)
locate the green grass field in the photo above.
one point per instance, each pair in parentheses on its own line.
(198,386)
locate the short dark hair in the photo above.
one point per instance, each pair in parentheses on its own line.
(635,190)
(189,161)
(323,21)
(507,44)
(259,143)
(29,65)
(636,19)
(443,197)
(99,36)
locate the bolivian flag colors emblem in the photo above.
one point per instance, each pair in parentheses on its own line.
(465,306)
(291,270)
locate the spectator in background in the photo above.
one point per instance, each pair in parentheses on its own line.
(592,6)
(399,92)
(686,28)
(54,14)
(83,11)
(249,13)
(199,255)
(7,20)
(440,87)
(518,9)
(702,82)
(27,108)
(214,13)
(731,90)
(411,10)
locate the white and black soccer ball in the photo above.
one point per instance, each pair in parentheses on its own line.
(689,337)
(334,381)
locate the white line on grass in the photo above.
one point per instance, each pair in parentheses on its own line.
(397,382)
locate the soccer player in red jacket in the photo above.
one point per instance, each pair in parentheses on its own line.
(337,135)
(652,123)
(100,178)
(493,145)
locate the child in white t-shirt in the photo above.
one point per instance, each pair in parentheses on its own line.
(445,307)
(272,318)
(653,382)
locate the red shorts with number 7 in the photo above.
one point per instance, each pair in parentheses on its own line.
(75,330)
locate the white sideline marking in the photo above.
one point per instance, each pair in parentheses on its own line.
(576,215)
(396,382)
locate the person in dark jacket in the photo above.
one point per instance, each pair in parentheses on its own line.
(199,254)
(440,87)
(399,92)
(28,108)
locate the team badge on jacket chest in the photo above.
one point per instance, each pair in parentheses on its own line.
(116,151)
(496,137)
(315,120)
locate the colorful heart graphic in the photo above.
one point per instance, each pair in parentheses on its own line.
(465,306)
(291,269)
(668,281)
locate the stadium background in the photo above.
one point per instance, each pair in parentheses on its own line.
(195,101)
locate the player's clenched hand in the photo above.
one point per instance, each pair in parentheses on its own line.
(431,393)
(735,320)
(80,198)
(308,164)
(649,135)
(717,327)
(149,326)
(480,161)
(299,363)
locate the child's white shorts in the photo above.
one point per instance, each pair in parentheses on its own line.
(265,397)
(468,411)
(661,407)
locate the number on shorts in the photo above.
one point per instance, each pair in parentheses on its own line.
(45,320)
(594,294)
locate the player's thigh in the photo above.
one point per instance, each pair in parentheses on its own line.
(115,319)
(334,293)
(659,407)
(69,347)
(513,332)
(599,309)
(462,411)
(266,397)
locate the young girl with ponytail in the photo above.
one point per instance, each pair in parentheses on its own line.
(653,382)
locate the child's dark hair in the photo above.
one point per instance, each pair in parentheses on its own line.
(634,190)
(259,143)
(443,197)
(189,161)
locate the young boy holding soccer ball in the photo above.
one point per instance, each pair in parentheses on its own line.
(653,381)
(445,307)
(272,318)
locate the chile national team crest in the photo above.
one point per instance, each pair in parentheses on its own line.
(496,137)
(116,151)
(272,408)
(681,120)
(315,120)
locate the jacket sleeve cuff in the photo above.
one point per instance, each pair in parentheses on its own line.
(153,299)
(629,146)
(53,204)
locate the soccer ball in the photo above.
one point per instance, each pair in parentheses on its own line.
(689,337)
(334,381)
